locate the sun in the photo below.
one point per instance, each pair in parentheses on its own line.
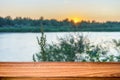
(76,19)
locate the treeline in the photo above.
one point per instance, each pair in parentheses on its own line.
(19,21)
(19,24)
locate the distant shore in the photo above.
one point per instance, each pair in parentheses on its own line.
(37,29)
(19,24)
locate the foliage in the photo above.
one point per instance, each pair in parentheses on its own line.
(42,43)
(117,47)
(25,24)
(74,48)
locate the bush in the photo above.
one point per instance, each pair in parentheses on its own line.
(73,48)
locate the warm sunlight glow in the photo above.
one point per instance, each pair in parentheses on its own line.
(76,10)
(76,19)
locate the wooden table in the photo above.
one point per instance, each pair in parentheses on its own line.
(59,71)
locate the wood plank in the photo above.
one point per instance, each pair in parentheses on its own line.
(59,69)
(92,78)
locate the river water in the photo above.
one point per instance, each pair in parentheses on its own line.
(19,47)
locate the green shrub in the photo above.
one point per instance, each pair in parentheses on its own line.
(73,48)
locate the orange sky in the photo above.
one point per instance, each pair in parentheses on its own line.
(99,10)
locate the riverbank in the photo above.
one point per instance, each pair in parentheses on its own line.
(47,29)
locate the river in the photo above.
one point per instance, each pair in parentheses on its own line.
(19,47)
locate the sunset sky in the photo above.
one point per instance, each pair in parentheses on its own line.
(99,10)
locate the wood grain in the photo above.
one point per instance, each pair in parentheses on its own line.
(91,78)
(58,70)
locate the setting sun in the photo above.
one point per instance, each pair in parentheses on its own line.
(76,19)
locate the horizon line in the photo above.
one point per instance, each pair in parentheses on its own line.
(88,20)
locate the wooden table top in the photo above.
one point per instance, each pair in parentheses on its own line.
(59,69)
